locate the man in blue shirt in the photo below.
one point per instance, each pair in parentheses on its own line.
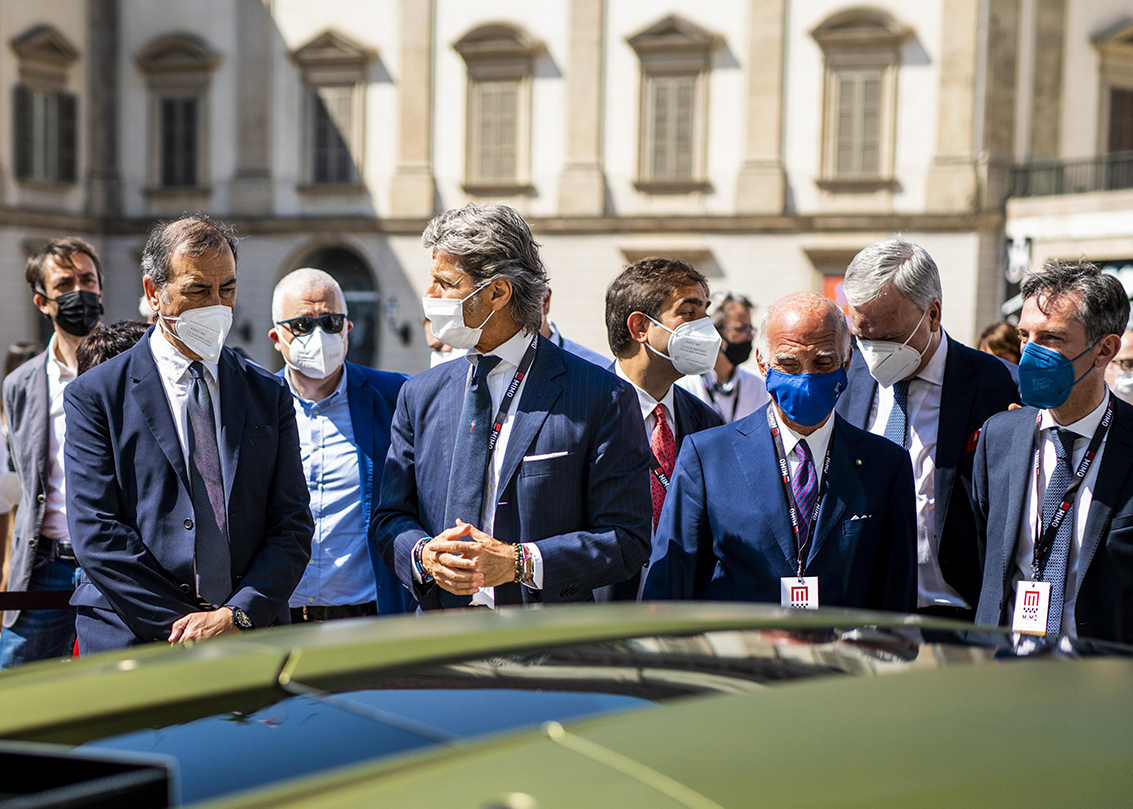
(343,412)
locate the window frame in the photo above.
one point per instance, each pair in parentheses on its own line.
(45,57)
(1115,72)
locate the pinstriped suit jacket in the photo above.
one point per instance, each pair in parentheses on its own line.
(589,511)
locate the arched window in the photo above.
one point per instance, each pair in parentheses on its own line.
(362,298)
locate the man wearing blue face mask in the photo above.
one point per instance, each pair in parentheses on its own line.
(1052,481)
(928,393)
(791,505)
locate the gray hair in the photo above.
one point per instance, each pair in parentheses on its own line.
(907,265)
(1103,305)
(841,328)
(302,280)
(194,235)
(718,305)
(493,241)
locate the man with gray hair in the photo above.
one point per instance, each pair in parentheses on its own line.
(185,493)
(343,412)
(1053,489)
(928,393)
(519,474)
(791,505)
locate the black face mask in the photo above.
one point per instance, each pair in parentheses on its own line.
(737,353)
(77,311)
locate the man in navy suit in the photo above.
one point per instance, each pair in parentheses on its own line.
(343,412)
(792,504)
(914,384)
(1071,324)
(520,473)
(645,307)
(185,494)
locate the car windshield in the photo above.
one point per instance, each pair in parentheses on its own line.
(309,729)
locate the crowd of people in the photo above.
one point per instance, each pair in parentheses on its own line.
(874,461)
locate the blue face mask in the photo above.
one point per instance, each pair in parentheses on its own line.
(1047,377)
(806,399)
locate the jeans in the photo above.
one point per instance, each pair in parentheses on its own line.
(42,634)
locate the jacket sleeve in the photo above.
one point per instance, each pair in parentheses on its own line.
(278,566)
(979,494)
(683,561)
(619,506)
(898,570)
(109,550)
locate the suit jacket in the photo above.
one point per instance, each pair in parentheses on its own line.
(725,532)
(130,510)
(588,510)
(372,397)
(27,408)
(976,387)
(1003,472)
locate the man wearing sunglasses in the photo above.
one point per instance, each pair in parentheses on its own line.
(343,412)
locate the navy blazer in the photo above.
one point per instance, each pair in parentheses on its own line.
(130,510)
(976,386)
(725,533)
(586,503)
(1003,472)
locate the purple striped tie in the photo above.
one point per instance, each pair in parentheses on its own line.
(804,486)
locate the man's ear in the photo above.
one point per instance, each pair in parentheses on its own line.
(41,303)
(849,357)
(273,333)
(638,325)
(1109,346)
(500,290)
(760,363)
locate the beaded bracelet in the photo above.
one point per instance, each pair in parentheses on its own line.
(518,561)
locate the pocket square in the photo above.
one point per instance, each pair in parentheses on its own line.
(861,517)
(545,456)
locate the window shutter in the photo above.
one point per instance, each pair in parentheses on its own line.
(497,131)
(68,159)
(21,130)
(332,121)
(672,127)
(1120,120)
(857,123)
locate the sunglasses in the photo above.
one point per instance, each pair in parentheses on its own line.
(331,323)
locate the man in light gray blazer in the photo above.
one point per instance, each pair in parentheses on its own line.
(66,282)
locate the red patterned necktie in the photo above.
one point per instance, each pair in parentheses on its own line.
(664,447)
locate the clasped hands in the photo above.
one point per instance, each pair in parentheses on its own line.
(463,559)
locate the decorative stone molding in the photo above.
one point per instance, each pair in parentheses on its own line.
(45,55)
(178,53)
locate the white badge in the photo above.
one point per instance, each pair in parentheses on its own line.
(799,594)
(1032,603)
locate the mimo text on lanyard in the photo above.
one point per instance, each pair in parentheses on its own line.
(802,542)
(510,392)
(1044,538)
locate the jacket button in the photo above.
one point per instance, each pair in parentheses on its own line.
(186,589)
(32,542)
(189,524)
(41,498)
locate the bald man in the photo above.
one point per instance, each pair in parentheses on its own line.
(791,505)
(343,412)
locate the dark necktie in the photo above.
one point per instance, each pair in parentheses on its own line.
(213,558)
(1054,566)
(470,455)
(664,448)
(896,429)
(804,485)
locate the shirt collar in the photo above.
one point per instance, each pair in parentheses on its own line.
(647,402)
(933,371)
(56,368)
(1085,426)
(510,351)
(172,364)
(555,337)
(339,389)
(817,442)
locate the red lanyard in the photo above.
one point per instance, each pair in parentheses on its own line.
(802,543)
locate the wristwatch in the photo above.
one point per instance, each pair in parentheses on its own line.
(240,618)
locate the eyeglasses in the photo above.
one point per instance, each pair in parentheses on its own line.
(1122,365)
(742,331)
(331,323)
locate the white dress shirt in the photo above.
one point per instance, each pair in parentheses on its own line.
(923,420)
(749,393)
(1024,551)
(55,507)
(649,405)
(173,368)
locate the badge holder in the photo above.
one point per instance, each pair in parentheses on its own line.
(798,593)
(1032,606)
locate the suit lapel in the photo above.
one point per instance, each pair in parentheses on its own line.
(233,392)
(1020,473)
(149,393)
(755,456)
(540,392)
(360,399)
(956,397)
(1108,486)
(843,480)
(682,417)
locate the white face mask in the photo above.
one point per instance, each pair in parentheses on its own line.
(891,362)
(446,319)
(202,331)
(1123,385)
(693,346)
(317,355)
